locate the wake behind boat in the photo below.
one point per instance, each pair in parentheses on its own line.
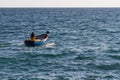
(36,40)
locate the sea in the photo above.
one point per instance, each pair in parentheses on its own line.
(83,44)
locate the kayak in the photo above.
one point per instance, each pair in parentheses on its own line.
(40,39)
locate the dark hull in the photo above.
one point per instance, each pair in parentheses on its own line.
(33,43)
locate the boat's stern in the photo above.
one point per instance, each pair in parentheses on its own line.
(29,43)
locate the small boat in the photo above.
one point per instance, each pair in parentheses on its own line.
(39,40)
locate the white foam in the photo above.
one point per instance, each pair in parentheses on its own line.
(50,45)
(16,42)
(21,43)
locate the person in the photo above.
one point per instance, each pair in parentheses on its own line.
(32,36)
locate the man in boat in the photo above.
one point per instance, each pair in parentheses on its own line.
(32,36)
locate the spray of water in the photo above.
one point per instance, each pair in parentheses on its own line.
(50,45)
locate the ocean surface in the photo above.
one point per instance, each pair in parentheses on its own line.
(83,44)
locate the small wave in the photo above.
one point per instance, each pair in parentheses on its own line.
(4,44)
(115,56)
(109,76)
(16,42)
(54,55)
(49,55)
(76,49)
(109,66)
(21,43)
(118,42)
(113,50)
(7,60)
(83,57)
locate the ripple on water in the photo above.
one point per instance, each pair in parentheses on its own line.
(113,66)
(113,50)
(115,56)
(85,57)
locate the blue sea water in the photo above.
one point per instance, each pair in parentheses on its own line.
(83,44)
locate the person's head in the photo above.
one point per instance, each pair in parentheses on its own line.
(32,33)
(47,32)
